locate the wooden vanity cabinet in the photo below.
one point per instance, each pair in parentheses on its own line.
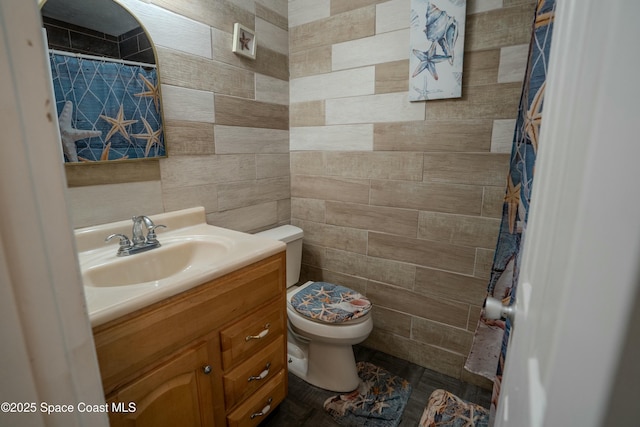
(214,355)
(177,392)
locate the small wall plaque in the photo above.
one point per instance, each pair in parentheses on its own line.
(244,41)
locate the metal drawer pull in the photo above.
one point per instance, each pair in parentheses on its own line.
(264,411)
(260,335)
(262,375)
(207,369)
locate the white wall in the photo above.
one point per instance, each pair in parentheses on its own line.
(47,352)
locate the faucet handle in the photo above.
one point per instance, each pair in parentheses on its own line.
(124,240)
(151,234)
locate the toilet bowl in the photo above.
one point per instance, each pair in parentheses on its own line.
(321,329)
(327,359)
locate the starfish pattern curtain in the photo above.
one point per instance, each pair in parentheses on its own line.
(489,347)
(119,101)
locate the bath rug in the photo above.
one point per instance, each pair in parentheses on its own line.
(447,409)
(379,400)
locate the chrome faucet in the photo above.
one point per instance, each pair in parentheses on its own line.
(137,234)
(139,242)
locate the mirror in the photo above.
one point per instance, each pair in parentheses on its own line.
(105,81)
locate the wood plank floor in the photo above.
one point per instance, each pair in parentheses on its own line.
(303,406)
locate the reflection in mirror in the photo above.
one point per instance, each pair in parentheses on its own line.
(105,82)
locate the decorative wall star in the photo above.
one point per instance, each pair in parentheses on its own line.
(244,41)
(118,124)
(152,137)
(70,135)
(152,91)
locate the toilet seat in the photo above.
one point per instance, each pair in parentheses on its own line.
(328,303)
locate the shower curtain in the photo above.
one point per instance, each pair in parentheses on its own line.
(491,337)
(119,102)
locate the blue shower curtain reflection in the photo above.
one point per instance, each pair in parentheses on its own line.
(118,100)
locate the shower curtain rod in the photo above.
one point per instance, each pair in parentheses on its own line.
(101,58)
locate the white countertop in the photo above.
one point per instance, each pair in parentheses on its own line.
(106,303)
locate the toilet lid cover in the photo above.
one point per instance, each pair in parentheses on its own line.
(330,303)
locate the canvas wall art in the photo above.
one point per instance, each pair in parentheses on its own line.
(436,49)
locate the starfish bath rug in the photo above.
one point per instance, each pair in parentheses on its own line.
(447,409)
(379,400)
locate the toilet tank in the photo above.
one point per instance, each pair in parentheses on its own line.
(292,237)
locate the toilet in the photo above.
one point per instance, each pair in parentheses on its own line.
(325,320)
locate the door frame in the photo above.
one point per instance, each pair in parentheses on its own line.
(48,351)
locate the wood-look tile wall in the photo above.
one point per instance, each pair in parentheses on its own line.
(401,200)
(226,121)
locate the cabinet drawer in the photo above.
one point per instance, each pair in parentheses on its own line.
(253,410)
(254,372)
(252,333)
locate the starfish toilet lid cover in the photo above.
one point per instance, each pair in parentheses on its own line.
(329,303)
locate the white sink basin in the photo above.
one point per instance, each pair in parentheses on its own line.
(192,253)
(175,257)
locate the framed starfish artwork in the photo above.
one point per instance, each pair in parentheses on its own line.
(436,49)
(244,41)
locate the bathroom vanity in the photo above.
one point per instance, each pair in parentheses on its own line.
(211,353)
